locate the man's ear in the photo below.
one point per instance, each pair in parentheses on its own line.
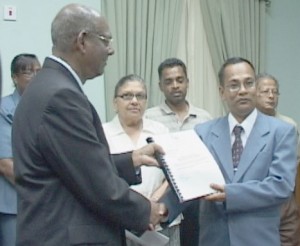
(160,86)
(81,40)
(221,92)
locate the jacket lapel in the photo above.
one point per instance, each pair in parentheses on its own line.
(255,143)
(221,148)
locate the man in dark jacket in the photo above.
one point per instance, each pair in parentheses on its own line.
(71,191)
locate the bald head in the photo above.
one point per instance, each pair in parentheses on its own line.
(82,38)
(69,22)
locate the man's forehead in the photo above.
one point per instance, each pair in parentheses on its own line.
(103,25)
(235,71)
(266,83)
(173,71)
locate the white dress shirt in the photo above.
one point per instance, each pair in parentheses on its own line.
(119,142)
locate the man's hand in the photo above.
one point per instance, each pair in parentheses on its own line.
(7,170)
(159,192)
(145,155)
(220,196)
(158,214)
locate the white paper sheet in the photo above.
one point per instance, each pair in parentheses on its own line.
(191,166)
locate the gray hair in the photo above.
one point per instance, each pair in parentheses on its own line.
(128,78)
(261,76)
(69,22)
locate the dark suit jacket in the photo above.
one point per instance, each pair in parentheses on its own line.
(69,187)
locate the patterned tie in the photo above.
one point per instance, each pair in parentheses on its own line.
(237,147)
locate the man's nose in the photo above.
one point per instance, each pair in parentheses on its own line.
(175,84)
(111,50)
(242,88)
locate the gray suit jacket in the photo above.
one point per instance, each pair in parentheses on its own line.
(68,184)
(254,194)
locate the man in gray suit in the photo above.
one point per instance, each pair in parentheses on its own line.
(71,191)
(257,156)
(267,97)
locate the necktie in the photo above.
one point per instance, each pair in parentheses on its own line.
(237,147)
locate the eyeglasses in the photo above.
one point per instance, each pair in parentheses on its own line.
(106,40)
(235,87)
(267,92)
(130,96)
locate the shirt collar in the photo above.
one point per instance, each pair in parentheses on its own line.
(247,124)
(118,129)
(67,66)
(192,110)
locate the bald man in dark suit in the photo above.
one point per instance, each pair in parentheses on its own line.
(71,191)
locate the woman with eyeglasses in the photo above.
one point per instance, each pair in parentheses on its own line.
(23,68)
(129,130)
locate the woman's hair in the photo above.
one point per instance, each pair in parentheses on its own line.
(22,62)
(128,78)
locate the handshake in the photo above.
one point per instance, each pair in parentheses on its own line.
(145,156)
(159,213)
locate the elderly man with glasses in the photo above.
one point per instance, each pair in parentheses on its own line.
(71,190)
(267,96)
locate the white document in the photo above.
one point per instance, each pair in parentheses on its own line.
(189,164)
(148,238)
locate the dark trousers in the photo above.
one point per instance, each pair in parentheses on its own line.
(189,227)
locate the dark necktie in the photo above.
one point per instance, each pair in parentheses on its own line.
(237,147)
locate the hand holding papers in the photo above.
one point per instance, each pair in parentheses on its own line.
(188,165)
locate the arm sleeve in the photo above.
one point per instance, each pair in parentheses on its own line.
(126,168)
(5,138)
(76,150)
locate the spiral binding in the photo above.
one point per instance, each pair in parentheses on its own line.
(169,177)
(166,170)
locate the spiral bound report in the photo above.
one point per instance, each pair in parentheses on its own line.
(187,164)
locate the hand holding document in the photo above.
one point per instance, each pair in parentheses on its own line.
(188,165)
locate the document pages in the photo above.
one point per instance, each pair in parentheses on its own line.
(188,165)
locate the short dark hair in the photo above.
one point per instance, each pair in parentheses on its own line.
(169,63)
(261,76)
(21,62)
(231,61)
(127,78)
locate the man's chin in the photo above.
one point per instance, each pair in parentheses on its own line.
(269,111)
(177,100)
(100,73)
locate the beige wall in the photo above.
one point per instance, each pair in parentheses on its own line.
(283,53)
